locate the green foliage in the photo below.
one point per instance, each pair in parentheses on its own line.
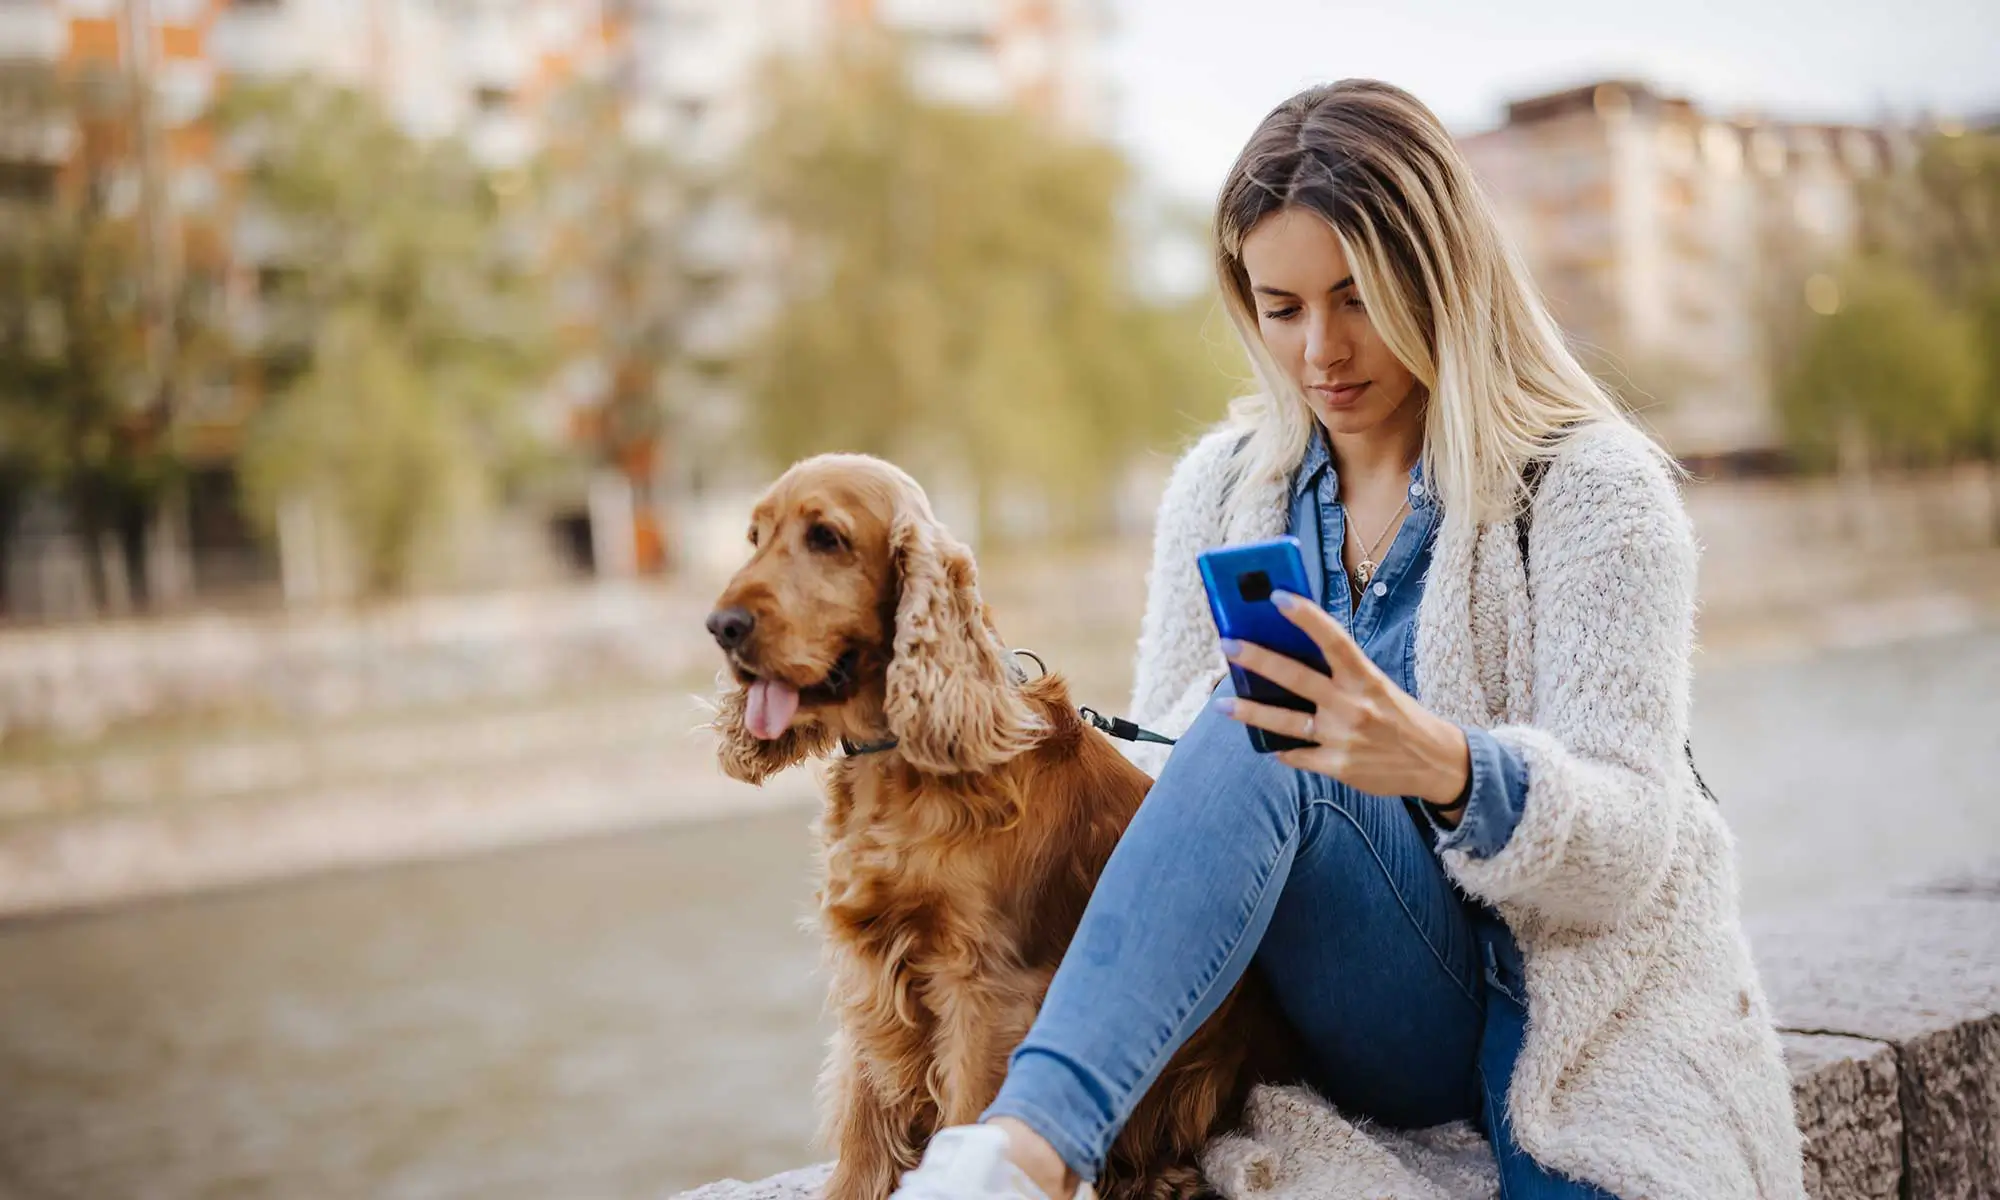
(1893,373)
(1950,231)
(618,202)
(99,338)
(368,433)
(403,323)
(1984,316)
(958,292)
(1907,370)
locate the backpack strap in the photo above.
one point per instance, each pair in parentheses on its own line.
(1531,477)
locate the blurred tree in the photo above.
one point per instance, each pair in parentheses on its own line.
(100,336)
(1944,219)
(1954,240)
(1894,359)
(959,292)
(396,302)
(367,431)
(613,204)
(1886,373)
(1941,220)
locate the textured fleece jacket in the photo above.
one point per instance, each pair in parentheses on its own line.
(1651,1066)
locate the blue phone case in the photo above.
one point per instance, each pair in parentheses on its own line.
(1239,581)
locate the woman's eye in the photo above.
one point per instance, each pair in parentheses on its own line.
(1282,314)
(822,539)
(753,535)
(1354,302)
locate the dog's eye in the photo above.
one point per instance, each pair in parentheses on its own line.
(823,539)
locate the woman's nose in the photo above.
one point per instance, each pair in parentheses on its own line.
(1325,350)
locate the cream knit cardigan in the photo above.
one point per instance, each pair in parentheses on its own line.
(1651,1065)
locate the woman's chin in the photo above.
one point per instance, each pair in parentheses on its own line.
(1358,419)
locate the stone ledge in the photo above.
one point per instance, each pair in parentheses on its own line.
(1919,975)
(1890,1015)
(1849,1112)
(801,1184)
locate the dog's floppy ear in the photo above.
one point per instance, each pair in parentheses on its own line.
(752,759)
(951,702)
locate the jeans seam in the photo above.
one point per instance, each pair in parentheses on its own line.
(1401,902)
(1193,1000)
(1494,982)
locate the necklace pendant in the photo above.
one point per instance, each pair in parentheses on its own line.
(1364,571)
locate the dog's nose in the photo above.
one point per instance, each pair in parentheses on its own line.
(729,626)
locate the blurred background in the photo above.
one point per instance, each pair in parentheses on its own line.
(384,384)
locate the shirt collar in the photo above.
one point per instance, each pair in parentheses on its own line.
(1316,462)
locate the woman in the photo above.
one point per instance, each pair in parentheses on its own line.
(1493,890)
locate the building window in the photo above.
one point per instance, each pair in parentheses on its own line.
(1767,151)
(1722,150)
(1676,146)
(1859,151)
(34,182)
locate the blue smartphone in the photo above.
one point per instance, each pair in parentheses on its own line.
(1240,580)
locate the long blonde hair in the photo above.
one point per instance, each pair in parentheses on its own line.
(1446,290)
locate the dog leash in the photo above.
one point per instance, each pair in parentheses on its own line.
(1117,727)
(1121,728)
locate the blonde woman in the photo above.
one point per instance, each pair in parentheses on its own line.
(1493,890)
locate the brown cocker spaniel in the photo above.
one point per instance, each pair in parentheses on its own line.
(957,861)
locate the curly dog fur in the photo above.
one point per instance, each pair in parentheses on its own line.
(955,865)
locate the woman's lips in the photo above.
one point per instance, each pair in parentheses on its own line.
(1340,395)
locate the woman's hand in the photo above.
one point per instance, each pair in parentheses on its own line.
(1371,734)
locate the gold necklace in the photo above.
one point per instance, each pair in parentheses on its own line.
(1364,571)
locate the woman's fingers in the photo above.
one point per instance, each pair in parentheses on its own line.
(1288,673)
(1335,643)
(1325,760)
(1268,717)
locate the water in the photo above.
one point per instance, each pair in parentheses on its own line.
(624,1018)
(609,1018)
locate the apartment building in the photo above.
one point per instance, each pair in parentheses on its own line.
(1662,236)
(685,72)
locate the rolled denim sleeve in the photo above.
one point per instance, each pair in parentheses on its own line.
(1495,798)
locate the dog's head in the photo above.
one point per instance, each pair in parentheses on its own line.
(859,614)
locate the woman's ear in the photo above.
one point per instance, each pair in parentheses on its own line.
(752,759)
(951,703)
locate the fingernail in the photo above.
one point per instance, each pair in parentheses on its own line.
(1231,648)
(1226,705)
(1283,600)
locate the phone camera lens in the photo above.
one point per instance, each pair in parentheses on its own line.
(1253,586)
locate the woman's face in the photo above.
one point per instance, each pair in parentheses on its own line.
(1315,326)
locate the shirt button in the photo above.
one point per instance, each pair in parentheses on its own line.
(1417,490)
(1381,589)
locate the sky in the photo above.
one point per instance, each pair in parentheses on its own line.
(1191,78)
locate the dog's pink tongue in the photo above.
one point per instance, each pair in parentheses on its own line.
(770,708)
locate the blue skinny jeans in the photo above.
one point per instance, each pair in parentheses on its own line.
(1388,972)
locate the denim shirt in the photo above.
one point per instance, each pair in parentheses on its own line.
(1385,627)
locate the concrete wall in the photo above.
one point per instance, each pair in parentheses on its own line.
(1773,551)
(80,681)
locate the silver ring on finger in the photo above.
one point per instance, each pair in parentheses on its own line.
(1308,734)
